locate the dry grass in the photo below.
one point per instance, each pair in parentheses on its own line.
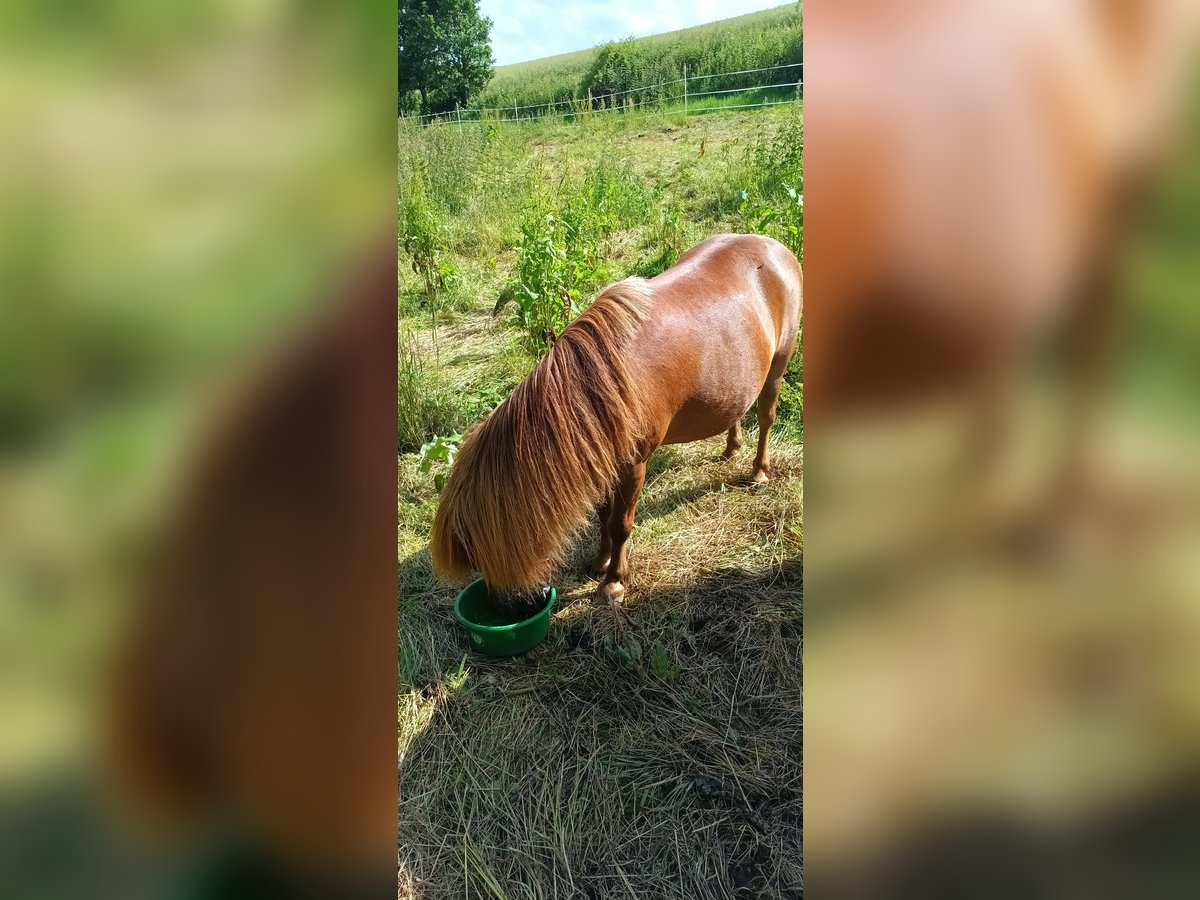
(654,755)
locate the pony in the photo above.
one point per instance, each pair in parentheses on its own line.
(676,358)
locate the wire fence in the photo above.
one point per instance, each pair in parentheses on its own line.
(652,98)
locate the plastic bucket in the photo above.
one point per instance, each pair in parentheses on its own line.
(478,613)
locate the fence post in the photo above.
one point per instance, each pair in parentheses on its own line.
(516,115)
(685,89)
(458,116)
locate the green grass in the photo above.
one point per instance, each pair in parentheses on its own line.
(757,40)
(667,182)
(561,62)
(657,755)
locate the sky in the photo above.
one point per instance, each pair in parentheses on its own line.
(530,29)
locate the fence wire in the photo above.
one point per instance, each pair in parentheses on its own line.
(584,105)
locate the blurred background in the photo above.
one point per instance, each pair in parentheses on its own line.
(190,195)
(1002,632)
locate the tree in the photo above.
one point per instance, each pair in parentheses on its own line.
(444,51)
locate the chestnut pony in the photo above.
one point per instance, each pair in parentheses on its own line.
(676,358)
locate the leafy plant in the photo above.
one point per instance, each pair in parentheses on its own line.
(423,231)
(458,678)
(791,399)
(440,452)
(626,654)
(488,397)
(631,655)
(539,288)
(555,260)
(559,253)
(611,197)
(661,665)
(783,221)
(772,178)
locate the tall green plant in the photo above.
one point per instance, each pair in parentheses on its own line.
(424,235)
(560,254)
(552,261)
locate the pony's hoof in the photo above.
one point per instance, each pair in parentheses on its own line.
(612,591)
(759,479)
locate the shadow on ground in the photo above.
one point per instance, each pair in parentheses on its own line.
(657,752)
(1143,847)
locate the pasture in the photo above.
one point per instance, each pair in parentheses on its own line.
(770,37)
(656,753)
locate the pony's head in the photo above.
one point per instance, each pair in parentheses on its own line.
(528,478)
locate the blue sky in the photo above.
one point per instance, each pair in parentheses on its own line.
(529,29)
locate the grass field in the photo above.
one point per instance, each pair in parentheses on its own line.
(770,37)
(657,755)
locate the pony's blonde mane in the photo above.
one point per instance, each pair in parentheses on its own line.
(529,477)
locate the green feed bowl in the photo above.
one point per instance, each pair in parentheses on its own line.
(478,613)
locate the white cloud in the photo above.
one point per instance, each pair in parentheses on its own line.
(530,29)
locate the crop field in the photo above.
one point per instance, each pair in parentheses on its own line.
(652,753)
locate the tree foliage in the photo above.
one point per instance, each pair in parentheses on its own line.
(444,51)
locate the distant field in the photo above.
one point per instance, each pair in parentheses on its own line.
(562,62)
(757,40)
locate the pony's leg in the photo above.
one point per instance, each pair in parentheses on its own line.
(604,551)
(767,401)
(734,442)
(620,526)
